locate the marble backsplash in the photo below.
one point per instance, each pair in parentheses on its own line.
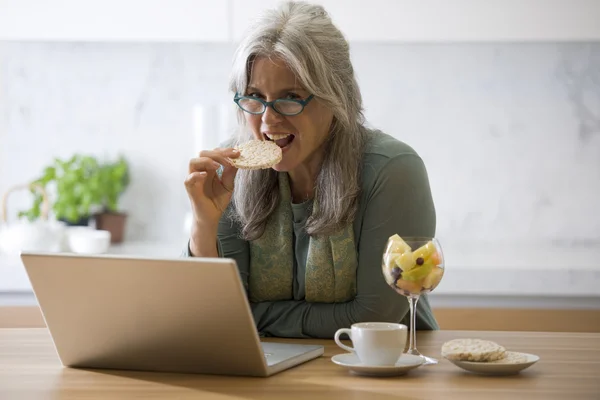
(510,133)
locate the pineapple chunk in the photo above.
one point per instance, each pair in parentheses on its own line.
(418,272)
(398,245)
(425,251)
(405,261)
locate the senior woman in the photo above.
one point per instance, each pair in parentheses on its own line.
(308,235)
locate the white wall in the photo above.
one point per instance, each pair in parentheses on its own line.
(510,133)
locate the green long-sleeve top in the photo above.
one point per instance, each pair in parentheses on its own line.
(395,199)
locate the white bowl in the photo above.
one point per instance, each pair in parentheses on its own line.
(88,241)
(40,235)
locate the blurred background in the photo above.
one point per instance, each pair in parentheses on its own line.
(500,98)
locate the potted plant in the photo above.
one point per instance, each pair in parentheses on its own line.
(78,190)
(114,180)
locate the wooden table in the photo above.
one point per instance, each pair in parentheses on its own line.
(569,369)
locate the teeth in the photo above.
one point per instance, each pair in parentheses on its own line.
(277,136)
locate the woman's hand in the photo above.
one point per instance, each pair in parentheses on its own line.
(210,195)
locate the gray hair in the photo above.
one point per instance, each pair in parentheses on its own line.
(315,50)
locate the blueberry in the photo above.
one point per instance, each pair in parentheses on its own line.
(420,261)
(396,272)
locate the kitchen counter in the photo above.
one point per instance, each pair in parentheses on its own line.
(13,277)
(533,276)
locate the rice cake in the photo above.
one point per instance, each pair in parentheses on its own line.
(511,357)
(473,350)
(257,154)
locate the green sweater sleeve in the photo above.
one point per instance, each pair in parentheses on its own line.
(399,201)
(230,245)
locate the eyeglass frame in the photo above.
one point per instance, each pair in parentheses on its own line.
(271,104)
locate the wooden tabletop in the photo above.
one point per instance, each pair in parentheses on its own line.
(569,369)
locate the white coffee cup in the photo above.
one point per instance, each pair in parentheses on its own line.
(375,343)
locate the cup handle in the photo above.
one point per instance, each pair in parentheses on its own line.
(337,339)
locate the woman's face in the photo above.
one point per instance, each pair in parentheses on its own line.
(301,136)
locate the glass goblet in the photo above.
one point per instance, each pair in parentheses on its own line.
(413,266)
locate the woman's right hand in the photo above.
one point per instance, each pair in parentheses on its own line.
(210,195)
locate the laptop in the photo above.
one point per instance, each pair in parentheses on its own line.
(183,315)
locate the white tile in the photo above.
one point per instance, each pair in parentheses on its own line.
(510,133)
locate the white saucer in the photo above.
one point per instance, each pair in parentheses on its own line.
(403,365)
(490,368)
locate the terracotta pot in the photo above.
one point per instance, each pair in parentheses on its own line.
(114,222)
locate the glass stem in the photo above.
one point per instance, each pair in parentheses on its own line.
(412,348)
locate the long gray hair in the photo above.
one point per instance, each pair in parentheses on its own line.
(315,50)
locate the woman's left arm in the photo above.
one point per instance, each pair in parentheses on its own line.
(400,202)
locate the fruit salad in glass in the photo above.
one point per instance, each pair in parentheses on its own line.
(413,266)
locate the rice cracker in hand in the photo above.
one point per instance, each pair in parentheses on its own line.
(257,154)
(478,350)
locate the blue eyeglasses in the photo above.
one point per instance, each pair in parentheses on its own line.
(287,107)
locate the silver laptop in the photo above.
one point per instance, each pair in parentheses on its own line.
(186,315)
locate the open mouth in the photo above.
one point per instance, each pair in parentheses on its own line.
(281,139)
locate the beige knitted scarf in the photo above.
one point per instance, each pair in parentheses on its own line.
(330,265)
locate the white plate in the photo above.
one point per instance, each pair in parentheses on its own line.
(352,363)
(489,368)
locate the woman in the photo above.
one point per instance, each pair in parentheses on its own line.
(308,235)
